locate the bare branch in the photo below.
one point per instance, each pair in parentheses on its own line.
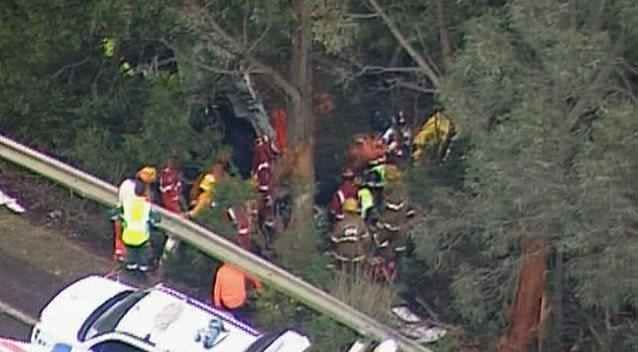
(414,86)
(381,69)
(363,16)
(69,66)
(428,58)
(261,37)
(235,48)
(401,38)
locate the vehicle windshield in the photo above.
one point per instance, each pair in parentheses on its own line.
(111,317)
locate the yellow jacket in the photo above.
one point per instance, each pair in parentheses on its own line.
(436,130)
(204,199)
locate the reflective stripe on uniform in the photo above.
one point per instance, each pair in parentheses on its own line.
(394,206)
(341,196)
(341,258)
(344,239)
(263,166)
(391,227)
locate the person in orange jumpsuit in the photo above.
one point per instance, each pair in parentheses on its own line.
(231,289)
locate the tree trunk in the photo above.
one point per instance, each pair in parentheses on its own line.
(444,34)
(301,138)
(526,315)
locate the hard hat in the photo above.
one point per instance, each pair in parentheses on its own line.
(351,205)
(147,174)
(347,173)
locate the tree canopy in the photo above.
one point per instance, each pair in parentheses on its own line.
(542,92)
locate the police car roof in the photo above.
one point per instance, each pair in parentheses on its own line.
(171,320)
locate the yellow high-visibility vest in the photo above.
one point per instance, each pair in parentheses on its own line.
(108,44)
(137,212)
(366,200)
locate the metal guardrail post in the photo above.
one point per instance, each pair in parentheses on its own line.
(91,187)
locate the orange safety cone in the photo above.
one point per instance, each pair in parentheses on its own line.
(119,253)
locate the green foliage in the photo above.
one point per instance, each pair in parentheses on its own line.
(540,163)
(166,128)
(192,267)
(277,310)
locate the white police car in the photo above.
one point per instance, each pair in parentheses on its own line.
(102,315)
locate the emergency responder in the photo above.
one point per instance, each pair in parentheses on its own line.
(347,189)
(375,176)
(202,196)
(436,134)
(398,139)
(109,45)
(265,152)
(231,289)
(266,218)
(377,167)
(170,187)
(366,199)
(350,238)
(392,233)
(239,215)
(147,176)
(138,217)
(396,219)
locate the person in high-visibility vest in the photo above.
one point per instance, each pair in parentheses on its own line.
(109,45)
(147,175)
(231,288)
(366,201)
(138,216)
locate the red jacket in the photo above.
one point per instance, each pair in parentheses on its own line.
(264,178)
(171,189)
(346,190)
(261,154)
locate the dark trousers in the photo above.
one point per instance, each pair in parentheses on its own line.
(138,255)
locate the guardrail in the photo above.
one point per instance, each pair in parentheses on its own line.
(91,187)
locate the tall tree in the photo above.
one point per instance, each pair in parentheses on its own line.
(540,94)
(264,39)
